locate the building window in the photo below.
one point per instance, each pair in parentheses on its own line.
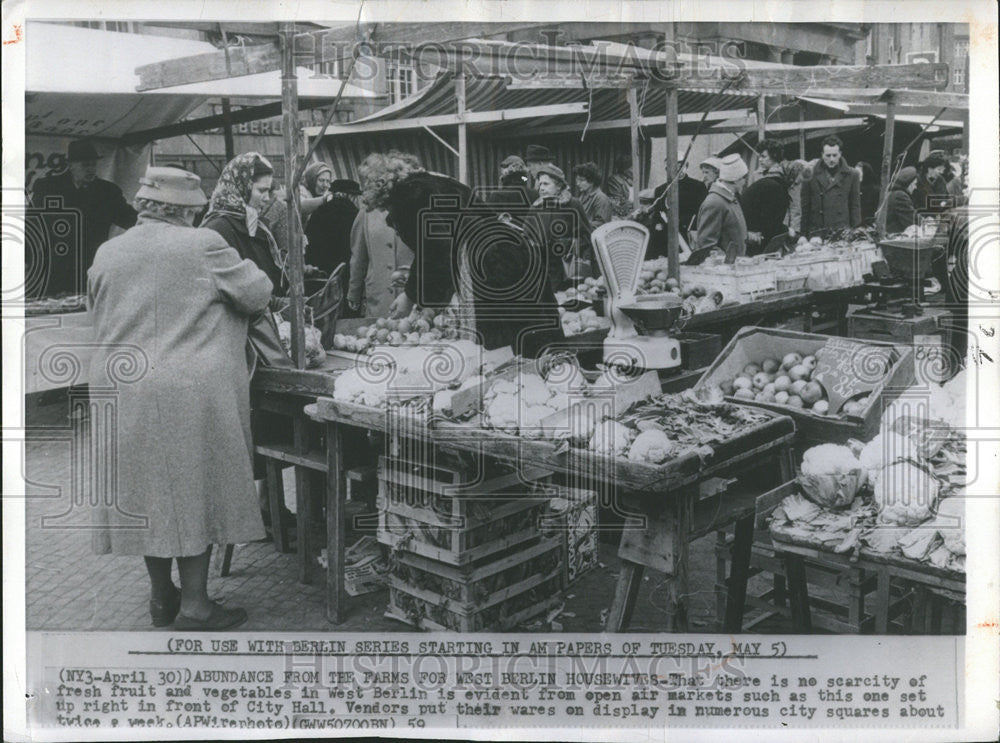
(959,62)
(401,80)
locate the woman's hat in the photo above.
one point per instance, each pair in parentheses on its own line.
(905,177)
(347,186)
(732,168)
(552,171)
(80,151)
(171,186)
(513,162)
(711,162)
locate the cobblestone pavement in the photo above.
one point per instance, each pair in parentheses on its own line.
(69,588)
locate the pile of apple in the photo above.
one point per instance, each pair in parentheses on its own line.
(420,327)
(586,319)
(588,290)
(785,382)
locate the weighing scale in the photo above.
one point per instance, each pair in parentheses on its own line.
(640,324)
(897,311)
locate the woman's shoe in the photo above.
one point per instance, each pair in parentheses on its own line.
(221,618)
(163,612)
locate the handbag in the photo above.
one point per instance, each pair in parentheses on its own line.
(264,345)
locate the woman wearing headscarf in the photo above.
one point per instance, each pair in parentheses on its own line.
(314,189)
(170,305)
(900,211)
(378,254)
(235,208)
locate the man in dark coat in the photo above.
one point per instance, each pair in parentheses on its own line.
(831,197)
(329,230)
(765,203)
(491,263)
(99,204)
(690,194)
(720,220)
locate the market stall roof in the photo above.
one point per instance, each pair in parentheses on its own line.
(492,104)
(943,117)
(87,87)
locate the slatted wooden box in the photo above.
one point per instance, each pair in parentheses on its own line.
(501,610)
(438,514)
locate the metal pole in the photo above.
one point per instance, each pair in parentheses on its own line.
(290,131)
(890,127)
(673,201)
(463,146)
(633,123)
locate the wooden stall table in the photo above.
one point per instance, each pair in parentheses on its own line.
(670,497)
(887,569)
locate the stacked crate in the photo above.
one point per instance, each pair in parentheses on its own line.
(465,557)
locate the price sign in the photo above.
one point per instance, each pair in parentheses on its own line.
(846,369)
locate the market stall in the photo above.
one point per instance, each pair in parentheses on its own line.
(678,465)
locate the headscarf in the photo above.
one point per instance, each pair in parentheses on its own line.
(232,192)
(905,177)
(312,173)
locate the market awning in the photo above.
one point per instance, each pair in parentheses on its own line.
(492,105)
(943,117)
(87,88)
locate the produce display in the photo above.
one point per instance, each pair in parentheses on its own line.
(574,323)
(410,373)
(672,425)
(589,290)
(697,298)
(787,381)
(898,494)
(421,327)
(313,342)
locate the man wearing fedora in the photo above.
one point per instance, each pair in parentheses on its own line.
(100,204)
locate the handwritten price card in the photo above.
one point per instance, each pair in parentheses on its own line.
(846,369)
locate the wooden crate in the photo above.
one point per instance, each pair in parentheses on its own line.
(754,343)
(454,523)
(483,583)
(503,610)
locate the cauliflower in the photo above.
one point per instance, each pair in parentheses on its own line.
(905,495)
(502,387)
(313,342)
(350,386)
(883,450)
(501,412)
(611,438)
(533,390)
(830,475)
(651,446)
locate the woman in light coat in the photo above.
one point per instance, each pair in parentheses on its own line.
(378,255)
(170,305)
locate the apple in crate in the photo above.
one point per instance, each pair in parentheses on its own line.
(771,366)
(811,394)
(794,401)
(790,360)
(782,383)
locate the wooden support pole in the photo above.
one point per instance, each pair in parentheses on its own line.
(761,129)
(227,130)
(890,128)
(289,127)
(802,132)
(463,146)
(965,133)
(633,125)
(672,202)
